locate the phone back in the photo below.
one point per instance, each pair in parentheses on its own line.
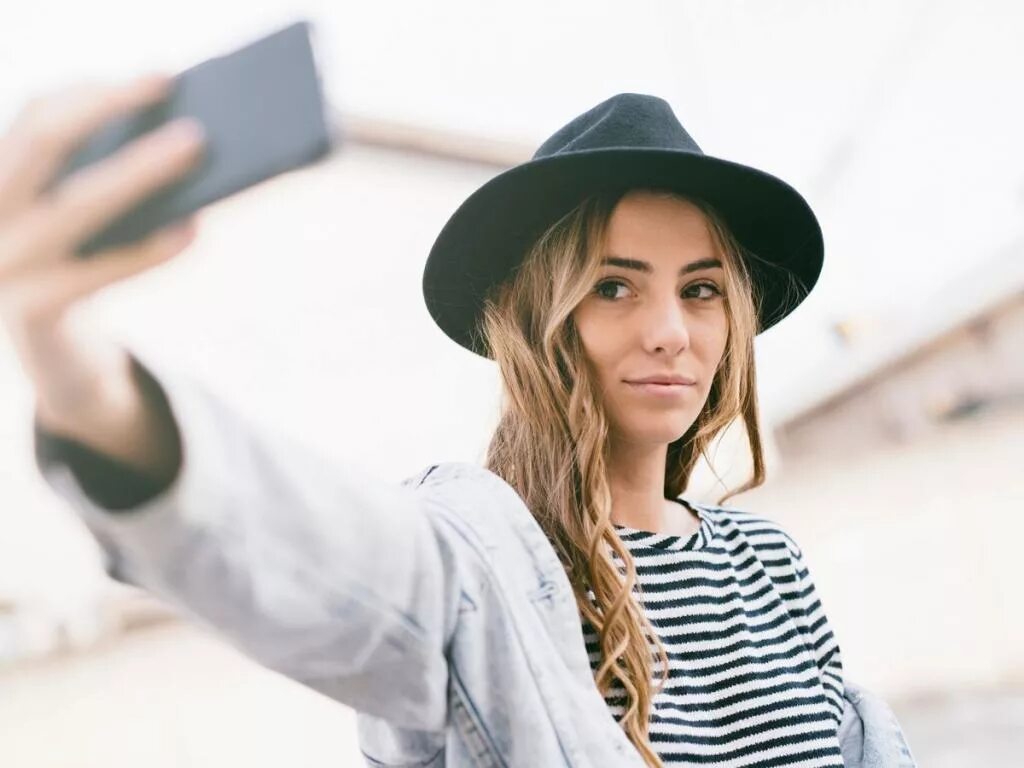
(263,113)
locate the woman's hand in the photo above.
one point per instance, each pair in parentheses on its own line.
(83,386)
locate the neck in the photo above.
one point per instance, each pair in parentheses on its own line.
(636,479)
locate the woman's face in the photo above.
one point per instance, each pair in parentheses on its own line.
(657,311)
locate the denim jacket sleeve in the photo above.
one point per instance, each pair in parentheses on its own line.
(318,572)
(869,734)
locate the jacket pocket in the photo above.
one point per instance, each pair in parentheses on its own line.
(435,761)
(385,745)
(471,728)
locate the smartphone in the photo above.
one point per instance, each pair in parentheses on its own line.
(263,112)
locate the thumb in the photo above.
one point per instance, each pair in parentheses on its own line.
(50,291)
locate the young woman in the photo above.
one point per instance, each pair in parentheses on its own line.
(564,604)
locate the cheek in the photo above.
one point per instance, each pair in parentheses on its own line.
(711,338)
(598,337)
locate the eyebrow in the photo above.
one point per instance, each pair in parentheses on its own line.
(643,266)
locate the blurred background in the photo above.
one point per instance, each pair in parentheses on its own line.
(893,399)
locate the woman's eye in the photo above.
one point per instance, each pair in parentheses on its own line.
(609,286)
(610,289)
(712,289)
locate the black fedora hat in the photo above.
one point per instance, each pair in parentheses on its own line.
(630,140)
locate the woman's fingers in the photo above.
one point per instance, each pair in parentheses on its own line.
(38,274)
(51,126)
(94,195)
(88,276)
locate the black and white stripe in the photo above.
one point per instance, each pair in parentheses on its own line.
(755,673)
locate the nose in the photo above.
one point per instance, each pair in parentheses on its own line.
(664,326)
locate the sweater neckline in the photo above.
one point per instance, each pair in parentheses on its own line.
(636,538)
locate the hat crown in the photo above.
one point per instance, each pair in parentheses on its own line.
(626,120)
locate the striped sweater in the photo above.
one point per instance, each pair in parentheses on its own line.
(755,673)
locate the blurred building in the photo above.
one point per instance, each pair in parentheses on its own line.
(964,356)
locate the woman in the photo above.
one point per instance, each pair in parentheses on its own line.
(563,605)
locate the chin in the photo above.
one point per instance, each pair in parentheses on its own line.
(660,433)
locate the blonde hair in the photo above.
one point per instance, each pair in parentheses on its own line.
(552,438)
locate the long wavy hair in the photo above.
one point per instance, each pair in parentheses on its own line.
(551,442)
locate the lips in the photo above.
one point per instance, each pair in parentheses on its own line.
(668,388)
(664,380)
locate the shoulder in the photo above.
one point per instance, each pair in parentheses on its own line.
(462,477)
(477,504)
(473,493)
(761,532)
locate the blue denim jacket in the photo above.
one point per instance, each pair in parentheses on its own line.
(436,608)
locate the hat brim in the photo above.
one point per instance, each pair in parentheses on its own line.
(488,235)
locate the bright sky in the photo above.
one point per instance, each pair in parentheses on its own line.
(900,122)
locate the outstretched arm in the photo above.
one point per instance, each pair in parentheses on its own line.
(332,579)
